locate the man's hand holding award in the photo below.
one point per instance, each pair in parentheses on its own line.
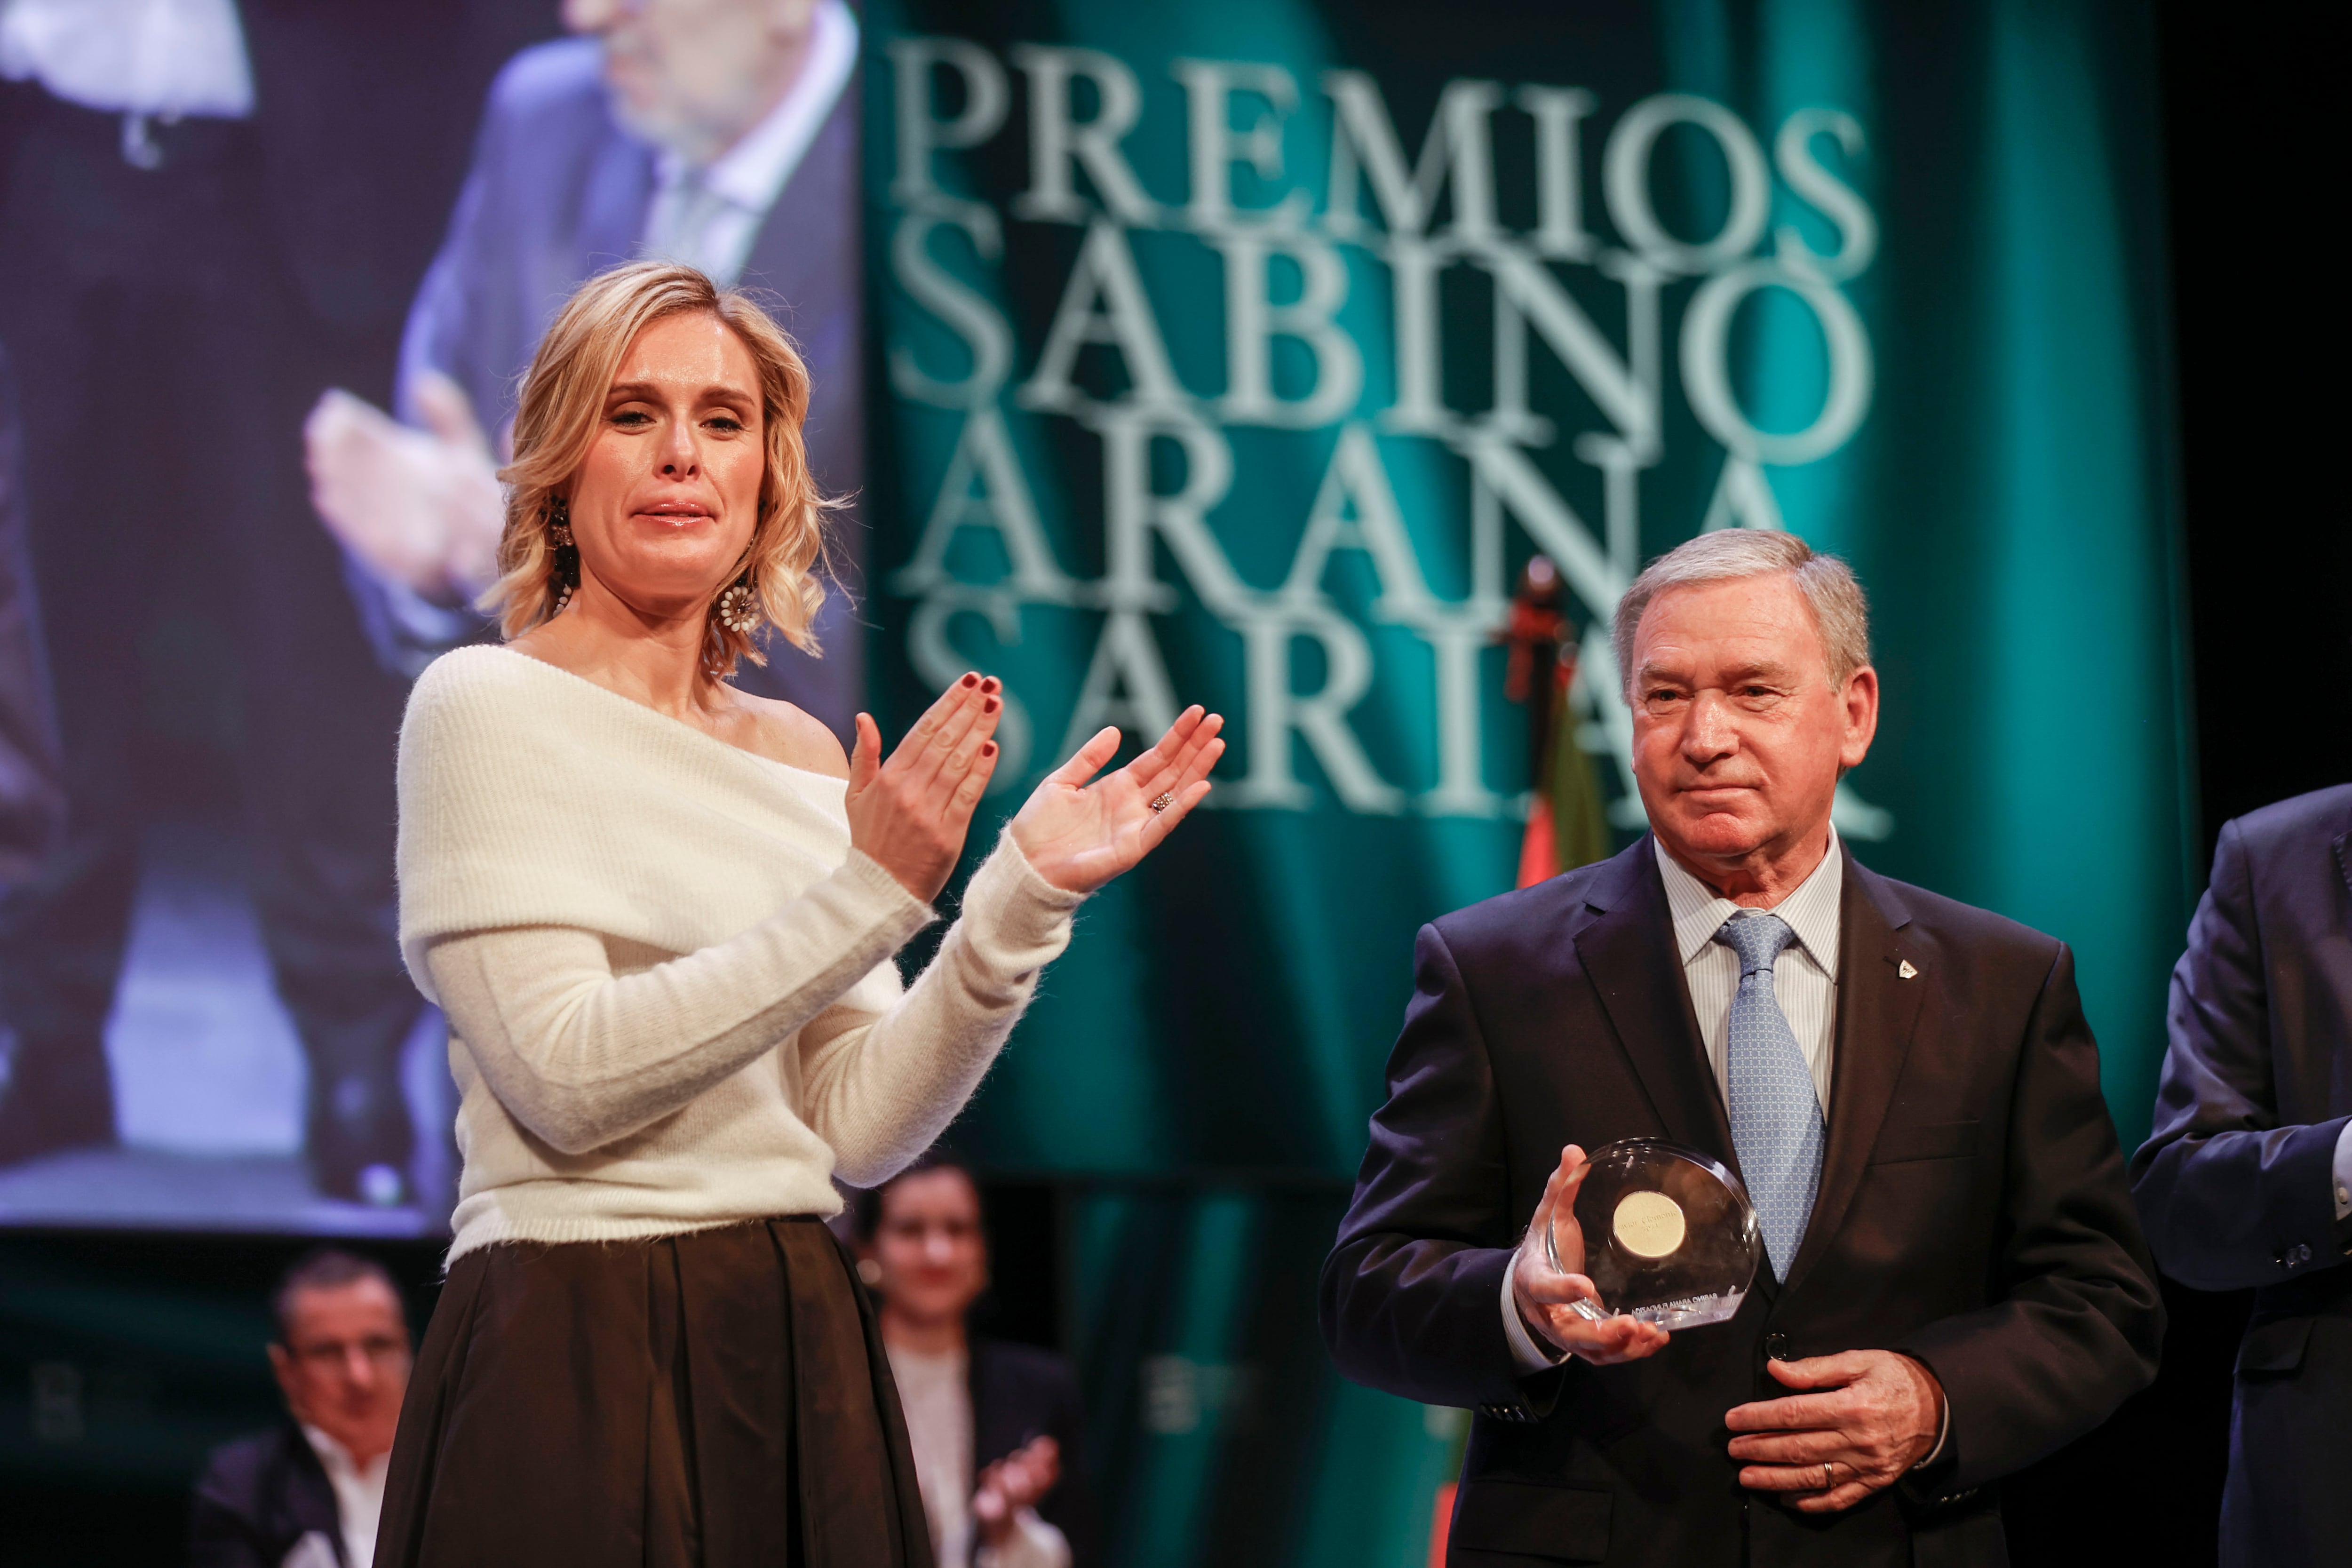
(1556,1299)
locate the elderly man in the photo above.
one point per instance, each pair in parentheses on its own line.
(2246,1179)
(308,1494)
(1954,1282)
(721,134)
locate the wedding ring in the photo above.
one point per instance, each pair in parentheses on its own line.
(1161,802)
(1829,1479)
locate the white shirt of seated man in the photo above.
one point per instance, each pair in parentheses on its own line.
(732,94)
(929,1259)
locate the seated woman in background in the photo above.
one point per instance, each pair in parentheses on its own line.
(994,1425)
(661,916)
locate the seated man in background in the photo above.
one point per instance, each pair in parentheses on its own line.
(306,1494)
(990,1422)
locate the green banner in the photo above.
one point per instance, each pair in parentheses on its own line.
(1243,354)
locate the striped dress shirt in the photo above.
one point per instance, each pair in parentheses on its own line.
(1804,980)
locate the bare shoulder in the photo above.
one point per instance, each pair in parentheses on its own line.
(779,731)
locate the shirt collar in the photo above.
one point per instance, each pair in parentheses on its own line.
(753,173)
(1811,911)
(946,1360)
(336,1459)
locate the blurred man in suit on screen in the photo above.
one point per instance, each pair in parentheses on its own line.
(1954,1284)
(209,213)
(721,134)
(2246,1178)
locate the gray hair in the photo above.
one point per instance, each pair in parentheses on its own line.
(1830,591)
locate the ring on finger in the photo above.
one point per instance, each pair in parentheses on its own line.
(1829,1476)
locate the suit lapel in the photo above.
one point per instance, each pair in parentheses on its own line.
(790,246)
(1877,1010)
(615,201)
(980,1385)
(1628,951)
(303,1498)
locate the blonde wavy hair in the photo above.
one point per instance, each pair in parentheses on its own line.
(562,409)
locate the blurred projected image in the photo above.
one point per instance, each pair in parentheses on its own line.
(233,235)
(717,133)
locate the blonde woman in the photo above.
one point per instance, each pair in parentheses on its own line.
(660,915)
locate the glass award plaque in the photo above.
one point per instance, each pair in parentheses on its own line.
(1670,1238)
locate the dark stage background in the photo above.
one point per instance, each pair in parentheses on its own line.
(124,1354)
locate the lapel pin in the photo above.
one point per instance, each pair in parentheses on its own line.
(1905,971)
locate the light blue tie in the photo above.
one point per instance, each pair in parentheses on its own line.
(1776,1117)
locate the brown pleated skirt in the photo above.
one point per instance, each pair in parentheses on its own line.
(713,1400)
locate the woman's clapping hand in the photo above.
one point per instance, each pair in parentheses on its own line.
(1019,1480)
(1079,836)
(909,814)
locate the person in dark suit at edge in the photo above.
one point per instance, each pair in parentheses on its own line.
(1955,1283)
(308,1493)
(720,133)
(2246,1178)
(995,1426)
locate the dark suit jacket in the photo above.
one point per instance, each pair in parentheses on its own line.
(363,114)
(261,1495)
(1972,1214)
(1020,1393)
(558,192)
(2235,1181)
(32,773)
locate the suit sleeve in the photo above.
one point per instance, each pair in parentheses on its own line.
(2228,1195)
(1409,1291)
(2076,1317)
(221,1534)
(1070,1507)
(446,328)
(445,321)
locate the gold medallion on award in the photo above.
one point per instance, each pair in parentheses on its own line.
(1670,1238)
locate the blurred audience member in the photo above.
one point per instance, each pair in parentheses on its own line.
(212,211)
(994,1426)
(306,1494)
(2246,1177)
(721,134)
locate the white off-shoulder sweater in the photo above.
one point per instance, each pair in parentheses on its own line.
(668,976)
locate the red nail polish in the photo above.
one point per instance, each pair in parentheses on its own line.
(992,684)
(988,748)
(990,706)
(970,680)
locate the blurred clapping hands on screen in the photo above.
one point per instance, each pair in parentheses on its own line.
(420,508)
